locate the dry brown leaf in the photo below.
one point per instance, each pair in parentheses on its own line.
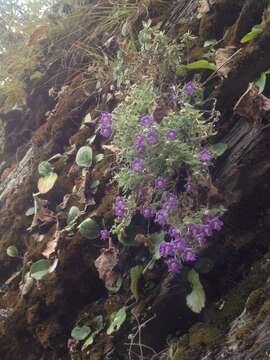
(111,148)
(39,34)
(204,7)
(143,239)
(221,57)
(106,263)
(52,245)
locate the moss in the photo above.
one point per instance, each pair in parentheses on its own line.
(255,299)
(203,335)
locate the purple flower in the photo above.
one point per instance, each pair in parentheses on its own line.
(189,255)
(208,216)
(205,155)
(146,120)
(106,132)
(166,249)
(139,142)
(106,124)
(146,212)
(104,234)
(170,203)
(189,187)
(190,88)
(173,265)
(173,232)
(161,217)
(207,229)
(137,164)
(120,207)
(152,137)
(160,182)
(171,134)
(217,224)
(180,243)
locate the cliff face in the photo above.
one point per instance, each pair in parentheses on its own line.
(37,316)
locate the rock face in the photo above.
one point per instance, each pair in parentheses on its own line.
(36,323)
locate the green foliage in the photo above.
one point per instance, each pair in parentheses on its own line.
(117,320)
(196,299)
(45,168)
(135,274)
(30,211)
(166,157)
(39,269)
(74,211)
(12,251)
(219,149)
(84,157)
(80,332)
(46,183)
(89,229)
(97,325)
(201,65)
(256,31)
(156,240)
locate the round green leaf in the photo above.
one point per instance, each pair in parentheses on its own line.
(74,211)
(219,149)
(46,183)
(84,156)
(80,332)
(30,211)
(117,320)
(12,251)
(89,229)
(45,168)
(39,269)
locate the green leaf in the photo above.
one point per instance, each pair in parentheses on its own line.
(99,157)
(181,70)
(196,299)
(91,139)
(46,183)
(80,332)
(219,149)
(12,251)
(209,43)
(256,30)
(84,156)
(261,82)
(135,274)
(117,320)
(30,211)
(115,288)
(89,229)
(45,168)
(94,184)
(156,240)
(98,325)
(39,269)
(201,64)
(74,211)
(37,75)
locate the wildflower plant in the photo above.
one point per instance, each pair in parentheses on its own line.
(151,158)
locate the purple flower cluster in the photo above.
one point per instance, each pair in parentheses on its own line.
(106,124)
(104,234)
(152,137)
(146,120)
(205,156)
(171,134)
(137,164)
(189,187)
(120,207)
(178,250)
(138,143)
(160,182)
(166,210)
(190,88)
